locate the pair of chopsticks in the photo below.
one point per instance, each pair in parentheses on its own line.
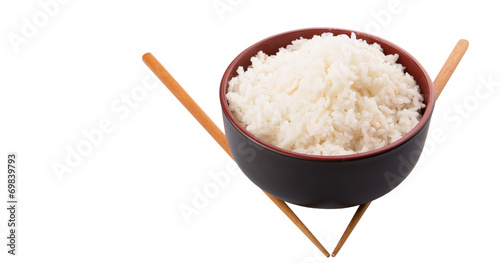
(195,110)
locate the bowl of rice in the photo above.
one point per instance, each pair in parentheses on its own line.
(326,117)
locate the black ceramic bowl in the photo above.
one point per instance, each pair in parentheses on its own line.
(326,181)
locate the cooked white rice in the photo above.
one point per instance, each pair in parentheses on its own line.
(329,95)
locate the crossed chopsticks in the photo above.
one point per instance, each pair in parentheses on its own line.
(195,110)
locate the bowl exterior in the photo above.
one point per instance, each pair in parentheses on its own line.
(324,184)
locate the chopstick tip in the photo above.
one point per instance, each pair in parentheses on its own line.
(144,57)
(326,253)
(464,42)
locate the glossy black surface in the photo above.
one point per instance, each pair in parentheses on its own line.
(324,184)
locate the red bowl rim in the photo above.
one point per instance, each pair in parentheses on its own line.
(360,35)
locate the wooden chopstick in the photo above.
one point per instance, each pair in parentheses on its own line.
(186,100)
(354,221)
(439,83)
(450,65)
(195,110)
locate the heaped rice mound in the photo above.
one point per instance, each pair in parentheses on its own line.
(329,95)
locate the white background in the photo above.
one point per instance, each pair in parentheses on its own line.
(121,202)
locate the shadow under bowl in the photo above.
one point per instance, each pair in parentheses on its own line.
(326,181)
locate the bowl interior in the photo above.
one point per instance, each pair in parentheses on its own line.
(271,46)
